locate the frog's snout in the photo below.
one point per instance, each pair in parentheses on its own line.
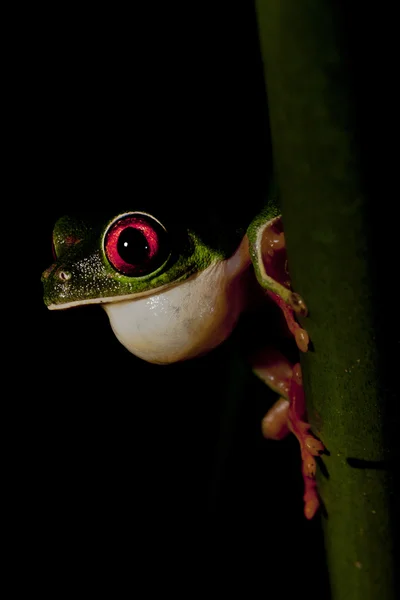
(60,273)
(55,280)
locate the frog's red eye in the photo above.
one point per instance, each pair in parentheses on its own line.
(136,244)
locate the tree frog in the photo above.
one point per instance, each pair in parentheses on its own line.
(173,293)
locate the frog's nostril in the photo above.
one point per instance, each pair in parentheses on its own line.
(64,275)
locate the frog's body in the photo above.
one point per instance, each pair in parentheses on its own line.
(171,296)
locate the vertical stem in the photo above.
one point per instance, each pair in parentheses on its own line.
(326,206)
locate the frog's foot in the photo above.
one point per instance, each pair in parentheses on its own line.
(287,415)
(268,253)
(275,426)
(310,446)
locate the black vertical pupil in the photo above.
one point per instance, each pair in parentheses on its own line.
(132,246)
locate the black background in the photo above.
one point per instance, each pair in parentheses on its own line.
(158,473)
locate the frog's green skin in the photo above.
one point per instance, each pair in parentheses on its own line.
(188,305)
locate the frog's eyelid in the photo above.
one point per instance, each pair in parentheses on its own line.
(129,214)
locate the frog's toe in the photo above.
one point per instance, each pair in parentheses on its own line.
(314,446)
(311,500)
(302,338)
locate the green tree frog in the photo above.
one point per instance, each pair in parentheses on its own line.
(173,293)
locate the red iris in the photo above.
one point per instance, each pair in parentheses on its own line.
(136,245)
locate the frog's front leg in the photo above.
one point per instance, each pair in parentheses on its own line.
(288,415)
(268,254)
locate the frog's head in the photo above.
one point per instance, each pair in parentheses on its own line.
(160,284)
(130,254)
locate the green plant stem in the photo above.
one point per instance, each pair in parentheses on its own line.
(327,220)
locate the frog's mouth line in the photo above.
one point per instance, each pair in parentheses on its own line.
(124,297)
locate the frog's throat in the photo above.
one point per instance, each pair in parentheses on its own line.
(187,320)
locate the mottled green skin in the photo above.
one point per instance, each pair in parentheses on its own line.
(83,273)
